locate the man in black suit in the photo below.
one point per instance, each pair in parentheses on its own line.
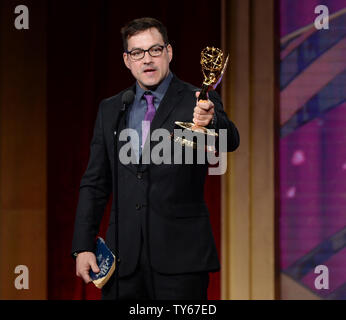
(165,241)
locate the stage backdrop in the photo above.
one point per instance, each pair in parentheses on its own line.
(84,66)
(312,150)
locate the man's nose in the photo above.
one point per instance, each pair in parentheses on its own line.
(147,57)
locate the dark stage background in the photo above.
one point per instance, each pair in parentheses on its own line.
(84,65)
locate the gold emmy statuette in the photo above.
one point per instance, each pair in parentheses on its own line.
(213,67)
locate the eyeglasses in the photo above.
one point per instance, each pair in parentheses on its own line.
(138,54)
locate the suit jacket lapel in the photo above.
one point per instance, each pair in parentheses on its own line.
(169,101)
(167,105)
(123,125)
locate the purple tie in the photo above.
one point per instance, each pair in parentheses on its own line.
(149,116)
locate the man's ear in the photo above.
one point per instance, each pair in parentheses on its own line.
(126,60)
(170,52)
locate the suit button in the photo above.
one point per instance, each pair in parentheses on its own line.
(138,206)
(139,175)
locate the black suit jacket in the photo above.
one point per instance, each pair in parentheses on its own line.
(168,197)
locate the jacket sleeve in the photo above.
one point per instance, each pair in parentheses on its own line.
(222,122)
(94,192)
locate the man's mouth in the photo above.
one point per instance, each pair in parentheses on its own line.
(149,71)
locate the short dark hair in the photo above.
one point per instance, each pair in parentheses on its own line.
(142,24)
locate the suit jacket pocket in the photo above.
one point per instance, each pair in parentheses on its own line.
(190,210)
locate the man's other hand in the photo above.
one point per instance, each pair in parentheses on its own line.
(85,261)
(203,112)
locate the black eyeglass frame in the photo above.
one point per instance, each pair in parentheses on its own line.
(148,50)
